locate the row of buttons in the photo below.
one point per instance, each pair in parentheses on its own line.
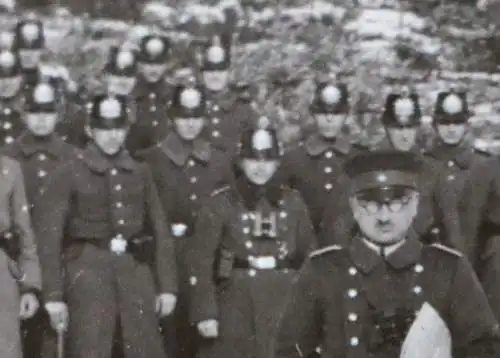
(353,293)
(118,204)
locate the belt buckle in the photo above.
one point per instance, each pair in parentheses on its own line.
(264,262)
(118,245)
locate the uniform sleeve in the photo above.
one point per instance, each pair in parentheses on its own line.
(28,260)
(49,218)
(472,208)
(306,237)
(299,330)
(165,255)
(201,257)
(475,331)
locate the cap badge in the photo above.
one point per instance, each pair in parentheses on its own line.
(382,178)
(7,59)
(262,140)
(452,104)
(215,54)
(110,108)
(190,98)
(331,95)
(124,59)
(43,94)
(154,46)
(30,32)
(404,107)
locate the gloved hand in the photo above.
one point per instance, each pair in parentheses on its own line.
(209,328)
(28,306)
(165,304)
(59,316)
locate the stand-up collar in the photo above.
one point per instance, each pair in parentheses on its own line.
(30,145)
(179,151)
(101,163)
(316,145)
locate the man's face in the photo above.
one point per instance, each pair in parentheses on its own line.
(451,133)
(120,85)
(388,223)
(110,141)
(30,58)
(41,124)
(259,171)
(403,139)
(216,80)
(10,86)
(330,125)
(152,72)
(189,128)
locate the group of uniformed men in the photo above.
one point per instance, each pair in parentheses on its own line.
(154,219)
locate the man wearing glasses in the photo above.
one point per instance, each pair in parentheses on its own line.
(386,290)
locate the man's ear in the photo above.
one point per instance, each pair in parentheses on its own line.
(353,202)
(88,131)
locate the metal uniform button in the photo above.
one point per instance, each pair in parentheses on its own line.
(450,164)
(352,293)
(328,154)
(191,163)
(352,271)
(252,273)
(417,290)
(193,180)
(155,123)
(215,120)
(352,317)
(9,139)
(244,217)
(246,230)
(193,197)
(153,108)
(121,222)
(118,187)
(451,177)
(152,95)
(42,173)
(114,172)
(328,170)
(7,125)
(215,134)
(328,186)
(215,107)
(283,214)
(248,244)
(419,268)
(119,204)
(42,157)
(7,111)
(354,341)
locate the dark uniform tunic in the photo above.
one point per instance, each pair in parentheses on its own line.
(185,175)
(228,115)
(11,123)
(152,116)
(242,271)
(353,303)
(92,200)
(314,168)
(480,224)
(38,159)
(451,166)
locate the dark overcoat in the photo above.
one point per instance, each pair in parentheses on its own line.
(94,199)
(227,281)
(353,303)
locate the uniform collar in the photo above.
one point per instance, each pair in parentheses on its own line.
(98,162)
(252,194)
(366,258)
(29,145)
(223,99)
(179,151)
(461,154)
(144,88)
(316,145)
